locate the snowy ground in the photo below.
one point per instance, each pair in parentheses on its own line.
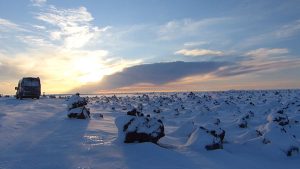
(38,134)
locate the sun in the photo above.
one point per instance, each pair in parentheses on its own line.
(89,69)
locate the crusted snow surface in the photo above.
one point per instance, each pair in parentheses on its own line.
(37,133)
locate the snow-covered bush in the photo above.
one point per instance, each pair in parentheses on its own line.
(139,129)
(76,107)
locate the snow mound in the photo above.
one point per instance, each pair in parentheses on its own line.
(76,101)
(185,130)
(210,137)
(278,133)
(243,122)
(76,107)
(139,129)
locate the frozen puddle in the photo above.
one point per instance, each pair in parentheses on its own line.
(96,140)
(93,140)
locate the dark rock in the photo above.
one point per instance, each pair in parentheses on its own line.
(280,111)
(157,110)
(292,150)
(191,95)
(258,133)
(214,146)
(142,129)
(266,141)
(218,138)
(282,120)
(79,113)
(76,107)
(243,124)
(134,112)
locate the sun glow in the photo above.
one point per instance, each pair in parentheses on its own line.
(88,69)
(62,70)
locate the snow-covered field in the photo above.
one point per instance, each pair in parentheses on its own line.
(262,130)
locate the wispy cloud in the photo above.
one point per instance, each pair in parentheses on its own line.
(278,33)
(199,52)
(186,27)
(261,60)
(71,26)
(35,41)
(195,43)
(39,27)
(7,25)
(250,67)
(265,52)
(38,3)
(56,50)
(288,30)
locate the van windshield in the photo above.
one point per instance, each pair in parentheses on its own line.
(31,82)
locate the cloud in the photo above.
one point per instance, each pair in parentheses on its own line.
(39,27)
(8,73)
(198,52)
(35,41)
(280,33)
(57,50)
(197,43)
(156,73)
(288,30)
(262,59)
(61,70)
(71,26)
(246,68)
(265,52)
(6,26)
(38,3)
(186,27)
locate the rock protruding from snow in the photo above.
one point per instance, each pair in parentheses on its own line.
(76,101)
(76,107)
(139,129)
(134,112)
(278,133)
(210,137)
(243,122)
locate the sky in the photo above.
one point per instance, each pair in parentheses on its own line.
(96,46)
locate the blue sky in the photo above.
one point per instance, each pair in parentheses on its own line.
(88,45)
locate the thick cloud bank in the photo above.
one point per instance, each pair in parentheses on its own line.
(156,73)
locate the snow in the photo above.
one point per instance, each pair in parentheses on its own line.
(77,107)
(38,133)
(139,128)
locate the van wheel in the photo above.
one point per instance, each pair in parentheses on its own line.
(38,97)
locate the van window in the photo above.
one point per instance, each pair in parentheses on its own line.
(31,82)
